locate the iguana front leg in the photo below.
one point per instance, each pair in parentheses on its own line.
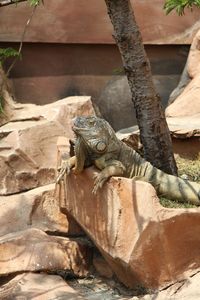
(66,165)
(109,168)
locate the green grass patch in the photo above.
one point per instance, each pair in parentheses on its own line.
(188,167)
(175,204)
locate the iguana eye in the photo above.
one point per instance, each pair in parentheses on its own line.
(101,146)
(92,121)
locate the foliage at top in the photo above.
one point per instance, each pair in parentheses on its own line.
(35,2)
(31,2)
(180,5)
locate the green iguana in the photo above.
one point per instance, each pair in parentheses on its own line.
(96,143)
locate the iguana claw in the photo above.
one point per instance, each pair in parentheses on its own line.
(63,169)
(99,182)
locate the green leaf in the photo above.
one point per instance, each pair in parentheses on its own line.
(8,52)
(180,5)
(35,2)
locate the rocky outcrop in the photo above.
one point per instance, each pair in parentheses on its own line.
(34,250)
(194,57)
(187,104)
(143,242)
(28,144)
(37,208)
(33,230)
(38,287)
(185,289)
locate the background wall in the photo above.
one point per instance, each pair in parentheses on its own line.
(69,49)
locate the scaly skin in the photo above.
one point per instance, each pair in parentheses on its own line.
(97,144)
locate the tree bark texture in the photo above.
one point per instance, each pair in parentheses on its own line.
(155,135)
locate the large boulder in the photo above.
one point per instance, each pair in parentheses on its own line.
(143,242)
(28,144)
(116,95)
(37,208)
(188,103)
(34,250)
(186,107)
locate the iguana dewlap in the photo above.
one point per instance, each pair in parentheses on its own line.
(96,143)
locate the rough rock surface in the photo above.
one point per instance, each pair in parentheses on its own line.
(143,242)
(184,290)
(37,208)
(102,266)
(188,103)
(34,250)
(186,107)
(194,57)
(28,144)
(38,287)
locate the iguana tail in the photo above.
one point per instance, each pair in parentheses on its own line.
(175,188)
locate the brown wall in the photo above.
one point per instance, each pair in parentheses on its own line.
(69,48)
(48,72)
(86,21)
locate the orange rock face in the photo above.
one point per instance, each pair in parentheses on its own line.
(187,104)
(28,144)
(194,57)
(33,250)
(143,242)
(37,208)
(38,287)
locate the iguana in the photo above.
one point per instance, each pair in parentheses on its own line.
(96,143)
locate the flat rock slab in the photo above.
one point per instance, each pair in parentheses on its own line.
(34,250)
(185,126)
(37,208)
(38,287)
(143,242)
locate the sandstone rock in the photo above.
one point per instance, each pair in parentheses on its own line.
(33,250)
(37,208)
(29,159)
(184,127)
(185,289)
(38,287)
(62,111)
(194,57)
(102,267)
(188,103)
(143,242)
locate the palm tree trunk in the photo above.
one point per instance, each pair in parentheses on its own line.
(155,135)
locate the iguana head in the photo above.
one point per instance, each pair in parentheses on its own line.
(94,138)
(94,132)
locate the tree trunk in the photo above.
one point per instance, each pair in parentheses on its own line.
(155,135)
